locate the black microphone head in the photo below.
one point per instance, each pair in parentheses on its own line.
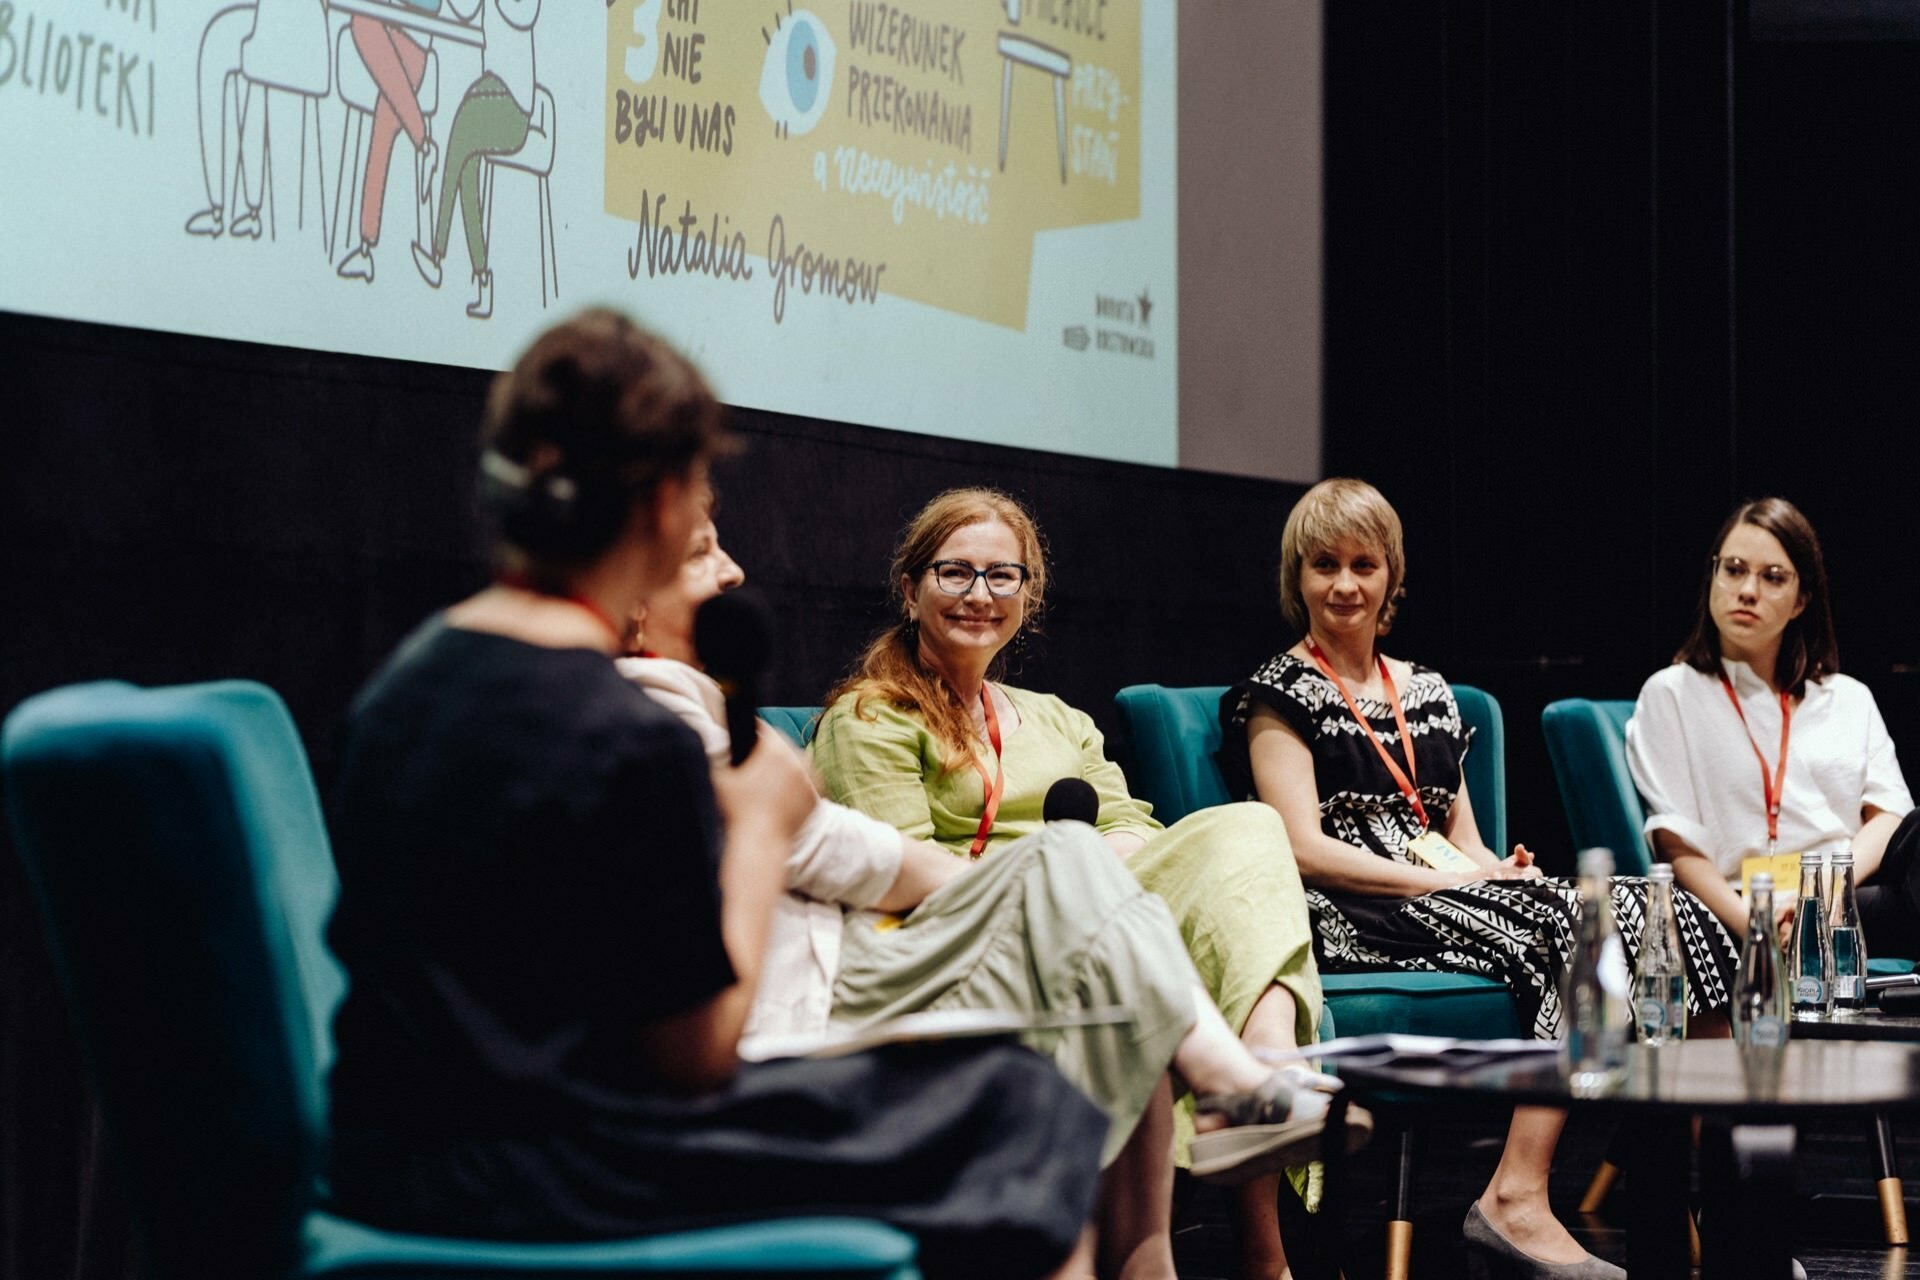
(1071,799)
(733,634)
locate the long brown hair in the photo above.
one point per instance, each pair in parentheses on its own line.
(1808,650)
(891,668)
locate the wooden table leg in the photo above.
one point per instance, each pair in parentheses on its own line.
(1893,1198)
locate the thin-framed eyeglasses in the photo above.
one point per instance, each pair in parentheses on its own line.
(956,577)
(1732,573)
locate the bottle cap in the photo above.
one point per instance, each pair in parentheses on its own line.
(1596,862)
(1661,873)
(1762,880)
(1842,857)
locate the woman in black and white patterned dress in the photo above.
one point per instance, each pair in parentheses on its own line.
(1320,733)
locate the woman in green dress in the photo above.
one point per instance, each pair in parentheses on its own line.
(923,737)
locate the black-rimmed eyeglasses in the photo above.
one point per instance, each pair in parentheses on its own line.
(956,577)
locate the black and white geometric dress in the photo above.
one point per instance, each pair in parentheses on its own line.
(1518,932)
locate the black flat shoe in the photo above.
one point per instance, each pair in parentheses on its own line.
(1491,1256)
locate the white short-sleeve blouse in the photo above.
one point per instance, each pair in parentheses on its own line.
(1693,763)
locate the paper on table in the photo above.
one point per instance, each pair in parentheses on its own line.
(1416,1050)
(934,1024)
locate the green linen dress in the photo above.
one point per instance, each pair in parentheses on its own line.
(1226,874)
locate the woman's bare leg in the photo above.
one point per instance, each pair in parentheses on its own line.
(1515,1202)
(1135,1209)
(1256,1218)
(1079,1263)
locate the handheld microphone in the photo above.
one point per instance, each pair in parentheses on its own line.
(1880,982)
(1071,799)
(733,634)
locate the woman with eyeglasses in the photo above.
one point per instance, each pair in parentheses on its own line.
(1363,756)
(1071,931)
(1753,743)
(925,736)
(553,914)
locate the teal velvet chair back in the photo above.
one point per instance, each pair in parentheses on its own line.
(176,847)
(1173,735)
(174,841)
(795,723)
(1587,741)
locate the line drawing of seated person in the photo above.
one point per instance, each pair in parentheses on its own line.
(397,62)
(217,75)
(493,119)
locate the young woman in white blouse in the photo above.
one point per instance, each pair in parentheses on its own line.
(1752,742)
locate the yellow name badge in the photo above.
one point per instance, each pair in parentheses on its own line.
(1783,867)
(1438,852)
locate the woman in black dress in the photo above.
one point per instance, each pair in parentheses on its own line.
(1320,732)
(553,921)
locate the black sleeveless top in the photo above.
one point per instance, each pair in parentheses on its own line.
(1360,804)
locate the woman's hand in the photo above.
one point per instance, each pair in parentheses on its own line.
(1521,864)
(1518,867)
(1783,914)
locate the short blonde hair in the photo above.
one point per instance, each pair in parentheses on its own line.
(1327,514)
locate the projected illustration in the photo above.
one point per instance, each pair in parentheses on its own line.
(931,215)
(1017,50)
(256,60)
(643,51)
(275,73)
(916,149)
(796,79)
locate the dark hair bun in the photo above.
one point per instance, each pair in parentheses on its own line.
(586,423)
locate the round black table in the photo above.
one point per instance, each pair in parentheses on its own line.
(1868,1024)
(1748,1109)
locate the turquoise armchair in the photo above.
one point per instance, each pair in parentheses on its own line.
(1587,742)
(1173,735)
(795,723)
(176,849)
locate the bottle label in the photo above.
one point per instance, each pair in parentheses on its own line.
(1766,1033)
(1808,991)
(1653,1015)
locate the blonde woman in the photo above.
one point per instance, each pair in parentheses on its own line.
(1361,755)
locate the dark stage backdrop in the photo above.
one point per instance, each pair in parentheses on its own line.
(176,509)
(1595,272)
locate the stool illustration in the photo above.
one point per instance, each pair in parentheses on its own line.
(1018,50)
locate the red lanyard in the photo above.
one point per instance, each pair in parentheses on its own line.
(1404,780)
(995,786)
(1772,787)
(520,583)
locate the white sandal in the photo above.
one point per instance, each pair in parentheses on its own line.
(1277,1125)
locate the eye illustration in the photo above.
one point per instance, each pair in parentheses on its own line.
(796,80)
(643,55)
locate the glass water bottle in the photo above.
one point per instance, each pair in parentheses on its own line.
(1593,1056)
(1810,959)
(1660,980)
(1846,942)
(1760,998)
